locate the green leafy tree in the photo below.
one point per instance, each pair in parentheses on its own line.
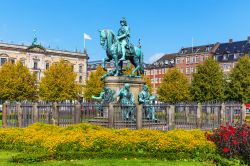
(208,82)
(58,83)
(174,87)
(238,88)
(17,82)
(94,85)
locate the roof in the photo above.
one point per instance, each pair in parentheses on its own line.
(232,50)
(167,57)
(197,49)
(234,47)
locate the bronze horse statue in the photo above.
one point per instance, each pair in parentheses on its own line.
(110,43)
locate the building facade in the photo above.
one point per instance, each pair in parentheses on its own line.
(156,70)
(189,58)
(229,53)
(38,59)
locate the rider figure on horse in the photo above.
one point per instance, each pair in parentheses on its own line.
(123,37)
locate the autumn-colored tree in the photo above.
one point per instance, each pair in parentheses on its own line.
(208,83)
(59,83)
(174,87)
(94,85)
(238,88)
(17,82)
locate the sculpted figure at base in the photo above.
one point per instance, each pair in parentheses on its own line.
(147,100)
(127,102)
(105,97)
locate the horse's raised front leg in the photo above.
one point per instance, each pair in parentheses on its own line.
(116,66)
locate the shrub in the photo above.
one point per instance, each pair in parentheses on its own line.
(232,141)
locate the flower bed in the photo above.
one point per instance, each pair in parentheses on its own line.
(85,140)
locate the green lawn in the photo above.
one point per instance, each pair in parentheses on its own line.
(5,156)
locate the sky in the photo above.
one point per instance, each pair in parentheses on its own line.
(163,26)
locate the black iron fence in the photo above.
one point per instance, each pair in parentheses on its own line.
(163,116)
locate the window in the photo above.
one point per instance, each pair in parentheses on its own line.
(187,70)
(3,60)
(236,55)
(187,60)
(23,61)
(182,60)
(80,79)
(35,65)
(196,59)
(206,57)
(177,60)
(202,58)
(191,59)
(47,65)
(163,71)
(12,61)
(159,71)
(191,70)
(80,68)
(224,57)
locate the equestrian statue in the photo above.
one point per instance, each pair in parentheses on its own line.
(119,49)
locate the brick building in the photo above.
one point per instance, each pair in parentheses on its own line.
(189,58)
(156,70)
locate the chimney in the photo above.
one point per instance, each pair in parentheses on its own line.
(248,38)
(230,40)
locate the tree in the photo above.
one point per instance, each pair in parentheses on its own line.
(239,81)
(94,85)
(174,87)
(208,83)
(17,82)
(58,83)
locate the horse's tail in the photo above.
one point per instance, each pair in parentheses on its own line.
(141,63)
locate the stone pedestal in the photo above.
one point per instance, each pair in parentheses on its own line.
(116,83)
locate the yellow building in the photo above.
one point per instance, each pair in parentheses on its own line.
(38,59)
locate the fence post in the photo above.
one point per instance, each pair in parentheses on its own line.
(139,108)
(222,113)
(111,115)
(4,116)
(19,114)
(243,113)
(34,113)
(199,113)
(55,114)
(171,117)
(77,115)
(187,113)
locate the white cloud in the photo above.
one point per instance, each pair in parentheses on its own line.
(154,57)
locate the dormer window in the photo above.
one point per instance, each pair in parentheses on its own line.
(236,55)
(225,57)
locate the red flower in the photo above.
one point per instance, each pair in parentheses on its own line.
(225,150)
(235,142)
